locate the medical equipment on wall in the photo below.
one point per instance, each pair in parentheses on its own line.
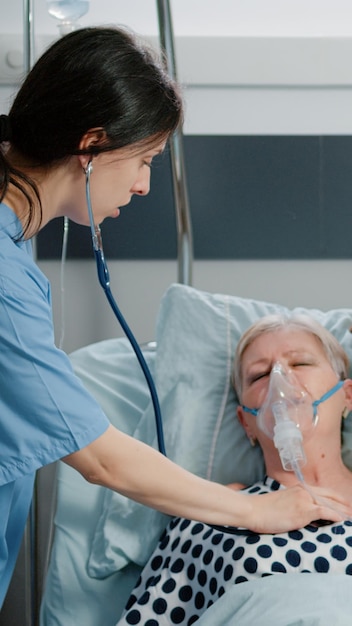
(68,12)
(288,416)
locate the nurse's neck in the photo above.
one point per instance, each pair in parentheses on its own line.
(54,188)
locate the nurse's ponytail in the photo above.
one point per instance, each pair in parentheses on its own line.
(10,174)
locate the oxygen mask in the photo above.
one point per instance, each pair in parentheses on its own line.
(287,415)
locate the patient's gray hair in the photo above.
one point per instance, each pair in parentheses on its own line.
(334,352)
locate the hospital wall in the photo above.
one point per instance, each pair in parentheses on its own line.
(285,73)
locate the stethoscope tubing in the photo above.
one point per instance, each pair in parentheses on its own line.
(104,280)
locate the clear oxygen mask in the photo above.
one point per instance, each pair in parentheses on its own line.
(286,416)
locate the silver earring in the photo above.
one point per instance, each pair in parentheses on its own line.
(252,441)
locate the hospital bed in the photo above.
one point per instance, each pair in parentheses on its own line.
(102,539)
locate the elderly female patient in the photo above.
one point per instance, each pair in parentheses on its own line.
(194,564)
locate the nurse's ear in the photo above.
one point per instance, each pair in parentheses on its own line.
(92,137)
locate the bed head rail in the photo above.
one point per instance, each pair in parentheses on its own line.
(182,208)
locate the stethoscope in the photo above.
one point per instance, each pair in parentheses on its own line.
(104,280)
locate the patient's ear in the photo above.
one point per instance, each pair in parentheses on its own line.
(245,421)
(242,416)
(347,387)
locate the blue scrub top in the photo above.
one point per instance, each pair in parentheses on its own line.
(45,412)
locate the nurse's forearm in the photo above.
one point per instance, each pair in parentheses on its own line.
(134,469)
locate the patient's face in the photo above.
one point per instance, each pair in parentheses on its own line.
(298,351)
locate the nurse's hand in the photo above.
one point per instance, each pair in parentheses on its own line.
(295,507)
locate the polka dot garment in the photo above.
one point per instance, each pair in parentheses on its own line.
(194,564)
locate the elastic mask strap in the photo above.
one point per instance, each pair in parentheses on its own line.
(251,411)
(326,396)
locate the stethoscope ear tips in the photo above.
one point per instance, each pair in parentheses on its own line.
(89,168)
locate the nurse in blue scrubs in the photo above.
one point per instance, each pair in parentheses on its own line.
(98,96)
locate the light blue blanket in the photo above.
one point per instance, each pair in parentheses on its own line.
(285,600)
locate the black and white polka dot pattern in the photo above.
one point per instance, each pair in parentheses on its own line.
(194,564)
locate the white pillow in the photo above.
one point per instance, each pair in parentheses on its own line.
(197,333)
(109,369)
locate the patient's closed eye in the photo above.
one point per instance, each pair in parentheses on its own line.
(302,364)
(253,378)
(258,376)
